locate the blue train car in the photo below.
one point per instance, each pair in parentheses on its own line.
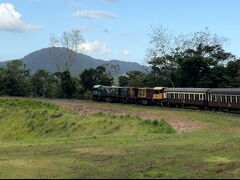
(97,92)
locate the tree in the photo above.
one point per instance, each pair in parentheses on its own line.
(141,79)
(71,41)
(132,79)
(91,77)
(15,79)
(233,73)
(43,83)
(68,87)
(166,48)
(202,67)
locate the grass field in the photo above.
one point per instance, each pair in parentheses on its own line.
(41,140)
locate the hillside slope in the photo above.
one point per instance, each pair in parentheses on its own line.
(41,59)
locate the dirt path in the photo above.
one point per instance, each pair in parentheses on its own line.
(179,124)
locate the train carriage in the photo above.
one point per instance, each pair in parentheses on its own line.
(224,98)
(133,94)
(217,98)
(123,94)
(145,95)
(186,96)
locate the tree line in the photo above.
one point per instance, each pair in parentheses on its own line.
(17,80)
(193,60)
(186,60)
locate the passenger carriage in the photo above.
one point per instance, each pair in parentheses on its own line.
(224,98)
(186,97)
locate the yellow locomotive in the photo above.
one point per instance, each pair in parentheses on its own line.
(158,95)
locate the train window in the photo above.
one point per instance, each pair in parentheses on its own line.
(234,99)
(228,99)
(156,92)
(201,97)
(238,99)
(223,98)
(181,96)
(172,96)
(196,96)
(176,96)
(218,98)
(186,96)
(168,95)
(213,97)
(192,96)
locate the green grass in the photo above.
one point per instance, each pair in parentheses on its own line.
(39,140)
(24,119)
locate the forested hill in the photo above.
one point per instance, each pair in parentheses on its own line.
(41,59)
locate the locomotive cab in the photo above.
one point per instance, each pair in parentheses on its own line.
(158,93)
(97,92)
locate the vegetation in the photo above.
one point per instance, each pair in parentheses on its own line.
(39,140)
(98,76)
(193,60)
(16,80)
(35,119)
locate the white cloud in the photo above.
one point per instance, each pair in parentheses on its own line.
(126,52)
(10,19)
(95,14)
(95,47)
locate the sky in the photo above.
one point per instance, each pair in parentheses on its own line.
(112,29)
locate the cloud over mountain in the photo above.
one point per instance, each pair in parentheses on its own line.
(95,47)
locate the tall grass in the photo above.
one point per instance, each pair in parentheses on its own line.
(21,119)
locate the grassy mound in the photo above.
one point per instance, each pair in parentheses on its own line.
(21,119)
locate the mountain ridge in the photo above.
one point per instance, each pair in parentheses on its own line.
(41,59)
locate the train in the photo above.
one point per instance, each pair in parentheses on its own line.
(225,99)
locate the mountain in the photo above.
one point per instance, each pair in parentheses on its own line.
(41,59)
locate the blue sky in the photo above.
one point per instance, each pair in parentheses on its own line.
(112,29)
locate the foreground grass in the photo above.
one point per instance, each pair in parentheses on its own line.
(59,144)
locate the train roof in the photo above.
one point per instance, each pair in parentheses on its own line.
(194,90)
(97,86)
(230,91)
(159,88)
(145,88)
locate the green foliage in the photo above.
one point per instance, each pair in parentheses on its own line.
(91,77)
(194,60)
(201,67)
(159,126)
(14,79)
(43,84)
(68,87)
(141,79)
